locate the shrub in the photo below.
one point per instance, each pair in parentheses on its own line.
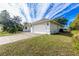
(12,27)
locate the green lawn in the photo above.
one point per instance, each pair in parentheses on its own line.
(42,45)
(5,34)
(8,34)
(59,44)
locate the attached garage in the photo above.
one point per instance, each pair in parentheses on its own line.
(45,26)
(41,28)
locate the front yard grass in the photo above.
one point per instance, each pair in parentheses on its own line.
(5,34)
(50,45)
(42,45)
(75,32)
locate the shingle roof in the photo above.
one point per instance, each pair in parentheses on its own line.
(46,20)
(40,21)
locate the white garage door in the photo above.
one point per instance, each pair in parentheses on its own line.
(40,28)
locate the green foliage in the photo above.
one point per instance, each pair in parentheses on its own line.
(4,17)
(75,23)
(5,34)
(61,20)
(11,25)
(76,44)
(17,21)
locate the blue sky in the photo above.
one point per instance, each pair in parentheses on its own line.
(52,10)
(71,15)
(35,11)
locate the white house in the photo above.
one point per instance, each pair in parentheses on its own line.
(45,26)
(27,27)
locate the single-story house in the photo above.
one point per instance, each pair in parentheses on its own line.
(27,27)
(44,26)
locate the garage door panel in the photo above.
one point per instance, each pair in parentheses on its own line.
(40,28)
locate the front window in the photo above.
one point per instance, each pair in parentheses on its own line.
(25,27)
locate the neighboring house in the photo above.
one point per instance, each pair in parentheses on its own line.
(27,27)
(45,26)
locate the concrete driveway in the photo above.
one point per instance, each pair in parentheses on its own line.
(16,37)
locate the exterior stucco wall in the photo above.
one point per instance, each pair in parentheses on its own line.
(54,28)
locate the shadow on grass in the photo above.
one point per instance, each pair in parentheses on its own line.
(64,34)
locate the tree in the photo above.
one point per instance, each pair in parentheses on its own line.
(75,23)
(11,25)
(17,19)
(61,20)
(4,16)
